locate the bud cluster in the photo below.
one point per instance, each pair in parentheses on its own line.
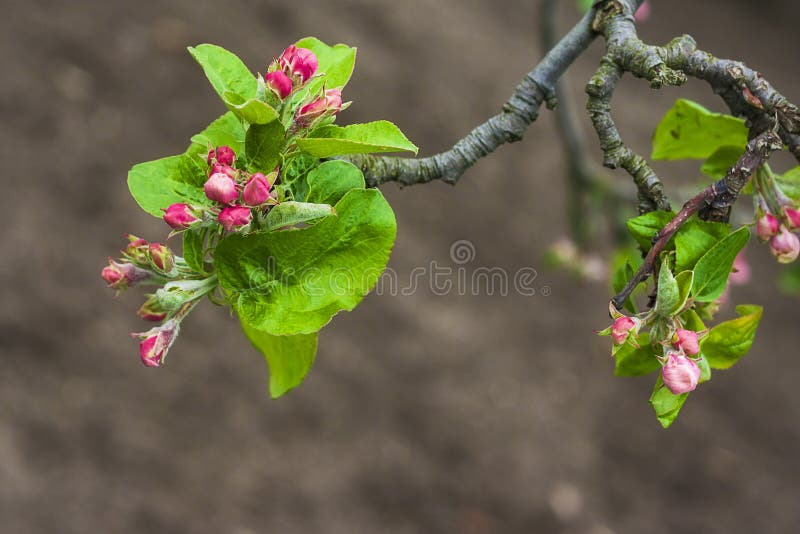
(239,199)
(777,218)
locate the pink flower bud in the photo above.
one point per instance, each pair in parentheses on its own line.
(156,342)
(234,217)
(643,13)
(223,155)
(151,311)
(136,251)
(300,63)
(224,169)
(329,103)
(687,341)
(256,192)
(161,257)
(740,274)
(180,216)
(792,217)
(680,374)
(279,82)
(622,328)
(123,275)
(221,188)
(785,246)
(767,226)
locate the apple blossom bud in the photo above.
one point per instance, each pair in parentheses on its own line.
(151,310)
(234,217)
(180,216)
(329,103)
(136,251)
(221,188)
(123,275)
(161,257)
(785,246)
(767,226)
(686,340)
(300,63)
(279,82)
(256,192)
(622,328)
(223,155)
(680,374)
(224,169)
(791,217)
(643,13)
(156,342)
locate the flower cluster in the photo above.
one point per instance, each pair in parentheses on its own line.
(680,347)
(239,202)
(156,264)
(777,217)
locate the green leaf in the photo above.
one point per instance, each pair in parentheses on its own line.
(718,163)
(226,72)
(730,340)
(371,137)
(289,357)
(336,62)
(329,182)
(157,184)
(294,282)
(630,361)
(263,146)
(251,110)
(666,405)
(705,370)
(694,239)
(790,183)
(644,227)
(193,249)
(226,130)
(713,268)
(668,292)
(290,213)
(690,131)
(692,321)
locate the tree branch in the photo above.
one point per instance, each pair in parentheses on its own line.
(506,127)
(713,203)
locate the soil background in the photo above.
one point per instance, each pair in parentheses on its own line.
(423,413)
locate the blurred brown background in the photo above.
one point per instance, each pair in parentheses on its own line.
(474,414)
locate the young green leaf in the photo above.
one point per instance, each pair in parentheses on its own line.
(630,361)
(157,184)
(225,71)
(790,183)
(193,249)
(251,110)
(713,268)
(690,131)
(329,182)
(668,292)
(289,358)
(263,145)
(336,62)
(290,213)
(372,137)
(644,227)
(226,130)
(665,403)
(294,282)
(723,158)
(694,239)
(730,340)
